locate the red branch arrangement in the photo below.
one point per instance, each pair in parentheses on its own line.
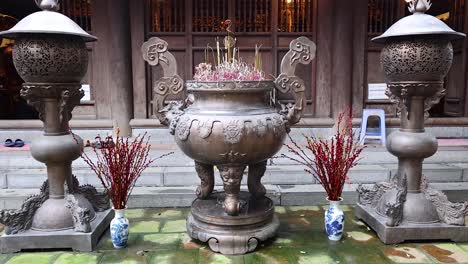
(331,159)
(119,165)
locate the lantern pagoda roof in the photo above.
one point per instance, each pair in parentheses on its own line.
(419,23)
(47,21)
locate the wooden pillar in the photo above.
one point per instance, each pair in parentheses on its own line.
(342,56)
(100,66)
(359,55)
(137,22)
(324,54)
(465,60)
(116,63)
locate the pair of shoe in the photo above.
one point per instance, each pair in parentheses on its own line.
(17,144)
(99,143)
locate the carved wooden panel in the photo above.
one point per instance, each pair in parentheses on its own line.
(78,10)
(253,15)
(295,16)
(167,16)
(381,15)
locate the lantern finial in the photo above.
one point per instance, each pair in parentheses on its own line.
(419,6)
(48,5)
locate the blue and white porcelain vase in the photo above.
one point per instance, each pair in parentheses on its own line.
(119,229)
(334,220)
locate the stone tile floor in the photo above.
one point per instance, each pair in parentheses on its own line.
(158,236)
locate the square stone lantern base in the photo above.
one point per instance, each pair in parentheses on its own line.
(407,231)
(64,239)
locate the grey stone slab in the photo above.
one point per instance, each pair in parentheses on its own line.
(144,197)
(77,241)
(25,178)
(465,132)
(449,155)
(180,176)
(447,132)
(151,176)
(314,194)
(3,179)
(287,175)
(464,167)
(435,172)
(311,194)
(368,174)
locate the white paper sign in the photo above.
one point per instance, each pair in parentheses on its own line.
(377,91)
(87,92)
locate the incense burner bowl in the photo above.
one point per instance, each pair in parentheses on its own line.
(231,125)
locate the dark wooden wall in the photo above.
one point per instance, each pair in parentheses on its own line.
(346,59)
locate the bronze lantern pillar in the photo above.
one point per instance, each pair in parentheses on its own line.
(51,56)
(416,56)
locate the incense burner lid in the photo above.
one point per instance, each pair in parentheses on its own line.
(47,21)
(419,24)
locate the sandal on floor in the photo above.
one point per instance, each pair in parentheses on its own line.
(9,143)
(19,143)
(110,142)
(97,143)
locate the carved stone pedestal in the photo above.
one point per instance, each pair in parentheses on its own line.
(64,239)
(409,231)
(232,235)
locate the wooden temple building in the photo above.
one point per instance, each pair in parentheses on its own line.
(346,71)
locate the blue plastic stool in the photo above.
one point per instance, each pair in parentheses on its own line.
(373,135)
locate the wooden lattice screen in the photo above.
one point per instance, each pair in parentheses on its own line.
(381,15)
(79,11)
(295,16)
(208,15)
(167,16)
(253,16)
(457,15)
(246,15)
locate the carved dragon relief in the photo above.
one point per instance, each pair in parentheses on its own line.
(155,52)
(394,207)
(400,94)
(301,50)
(81,215)
(449,213)
(17,221)
(370,196)
(67,96)
(20,220)
(99,201)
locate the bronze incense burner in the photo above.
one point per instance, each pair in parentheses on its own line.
(230,125)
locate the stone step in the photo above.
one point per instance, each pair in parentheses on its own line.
(275,174)
(284,195)
(372,155)
(160,134)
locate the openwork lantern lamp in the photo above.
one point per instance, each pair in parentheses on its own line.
(416,56)
(50,55)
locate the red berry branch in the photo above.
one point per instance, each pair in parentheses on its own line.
(329,160)
(119,164)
